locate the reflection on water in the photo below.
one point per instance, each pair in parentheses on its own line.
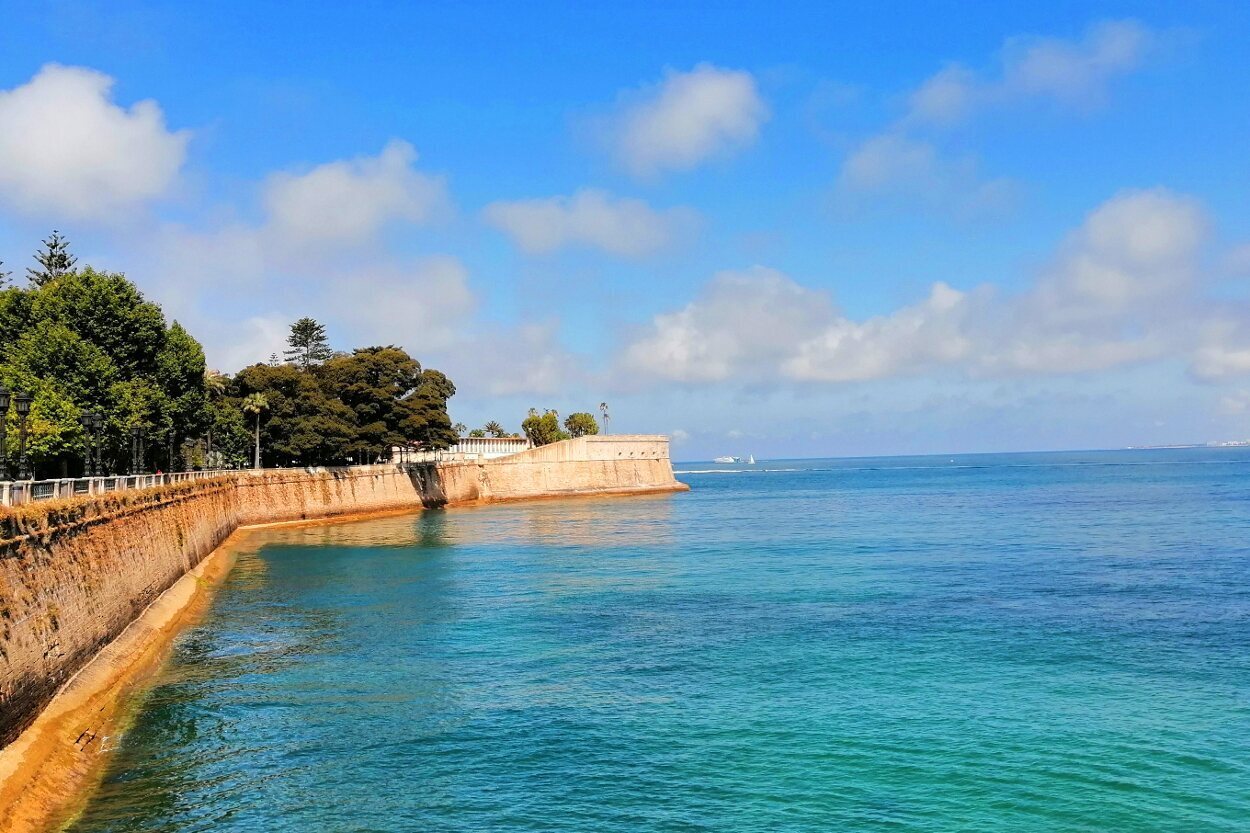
(1029,644)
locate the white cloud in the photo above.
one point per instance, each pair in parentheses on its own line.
(251,341)
(1122,289)
(420,305)
(897,162)
(590,217)
(897,165)
(1069,72)
(1237,261)
(686,119)
(948,96)
(511,361)
(1075,72)
(1235,403)
(349,202)
(743,324)
(933,332)
(67,149)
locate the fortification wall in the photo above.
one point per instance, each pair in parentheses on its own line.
(72,577)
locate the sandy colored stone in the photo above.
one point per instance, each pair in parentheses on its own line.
(88,608)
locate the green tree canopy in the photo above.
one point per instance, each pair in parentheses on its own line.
(543,429)
(89,341)
(54,260)
(581,424)
(307,345)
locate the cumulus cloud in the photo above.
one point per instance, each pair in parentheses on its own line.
(349,202)
(933,332)
(590,218)
(686,119)
(421,304)
(742,324)
(1122,289)
(1137,248)
(1069,72)
(897,165)
(524,359)
(67,149)
(899,161)
(250,341)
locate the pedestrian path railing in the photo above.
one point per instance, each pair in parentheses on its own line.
(18,492)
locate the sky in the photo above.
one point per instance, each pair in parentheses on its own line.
(780,229)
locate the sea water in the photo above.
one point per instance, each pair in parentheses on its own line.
(970,643)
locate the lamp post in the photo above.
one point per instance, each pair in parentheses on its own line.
(136,448)
(4,433)
(22,402)
(92,422)
(88,444)
(97,425)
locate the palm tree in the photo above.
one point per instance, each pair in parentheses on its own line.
(494,429)
(460,428)
(603,409)
(214,388)
(255,403)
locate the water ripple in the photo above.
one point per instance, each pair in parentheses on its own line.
(1015,643)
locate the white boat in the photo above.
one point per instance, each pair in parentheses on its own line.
(727,460)
(750,459)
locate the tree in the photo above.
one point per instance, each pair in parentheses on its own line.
(4,276)
(581,424)
(374,383)
(303,424)
(543,429)
(180,371)
(430,423)
(90,341)
(256,403)
(494,429)
(307,344)
(477,433)
(54,261)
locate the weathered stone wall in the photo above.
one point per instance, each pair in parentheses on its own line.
(72,586)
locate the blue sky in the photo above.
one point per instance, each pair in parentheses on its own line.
(789,230)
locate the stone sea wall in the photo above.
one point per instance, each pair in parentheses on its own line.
(73,578)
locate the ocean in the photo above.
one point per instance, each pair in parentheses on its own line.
(1010,642)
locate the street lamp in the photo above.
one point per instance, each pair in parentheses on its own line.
(97,424)
(136,448)
(88,462)
(4,433)
(91,424)
(22,401)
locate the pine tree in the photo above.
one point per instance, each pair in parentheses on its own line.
(54,260)
(308,344)
(4,276)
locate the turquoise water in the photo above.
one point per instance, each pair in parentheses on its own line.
(984,643)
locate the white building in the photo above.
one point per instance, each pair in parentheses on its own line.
(466,448)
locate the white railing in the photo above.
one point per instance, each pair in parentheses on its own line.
(18,492)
